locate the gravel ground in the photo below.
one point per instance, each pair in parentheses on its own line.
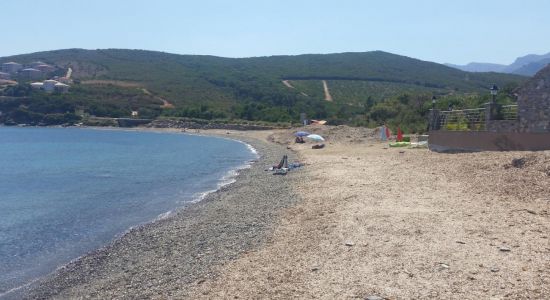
(402,223)
(165,258)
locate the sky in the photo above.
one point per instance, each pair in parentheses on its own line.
(434,30)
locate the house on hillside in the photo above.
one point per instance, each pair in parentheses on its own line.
(5,76)
(525,126)
(11,67)
(31,73)
(61,87)
(35,64)
(49,85)
(44,68)
(37,85)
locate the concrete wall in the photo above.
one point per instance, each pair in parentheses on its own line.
(457,141)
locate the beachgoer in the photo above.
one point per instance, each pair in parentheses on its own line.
(383,133)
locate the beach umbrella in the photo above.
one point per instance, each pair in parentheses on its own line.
(315,137)
(302,133)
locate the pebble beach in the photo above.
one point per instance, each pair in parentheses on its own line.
(359,221)
(161,259)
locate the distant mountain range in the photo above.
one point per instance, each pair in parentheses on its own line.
(527,65)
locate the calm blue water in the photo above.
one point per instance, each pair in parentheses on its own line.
(66,191)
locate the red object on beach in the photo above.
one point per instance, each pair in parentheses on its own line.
(399,135)
(388,132)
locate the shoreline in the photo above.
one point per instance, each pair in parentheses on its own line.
(361,220)
(226,179)
(67,279)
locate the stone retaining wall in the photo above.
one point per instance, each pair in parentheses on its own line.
(534,103)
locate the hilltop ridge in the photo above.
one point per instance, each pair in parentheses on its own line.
(201,86)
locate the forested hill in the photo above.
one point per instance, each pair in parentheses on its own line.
(252,88)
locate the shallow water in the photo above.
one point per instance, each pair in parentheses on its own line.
(67,191)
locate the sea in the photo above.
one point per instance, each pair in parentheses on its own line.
(67,191)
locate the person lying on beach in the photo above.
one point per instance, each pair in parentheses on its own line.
(320,146)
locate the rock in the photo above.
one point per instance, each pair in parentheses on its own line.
(504,249)
(349,243)
(374,297)
(518,162)
(494,269)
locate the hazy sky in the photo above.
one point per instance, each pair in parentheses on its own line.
(435,30)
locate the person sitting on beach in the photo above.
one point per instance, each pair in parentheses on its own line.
(299,140)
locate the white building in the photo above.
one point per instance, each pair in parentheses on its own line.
(31,73)
(5,76)
(44,68)
(11,67)
(34,64)
(49,85)
(61,87)
(37,85)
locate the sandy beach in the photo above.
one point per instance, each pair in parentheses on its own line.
(359,220)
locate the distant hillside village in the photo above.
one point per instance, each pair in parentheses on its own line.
(39,72)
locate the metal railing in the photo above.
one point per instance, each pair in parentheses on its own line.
(473,119)
(509,112)
(462,120)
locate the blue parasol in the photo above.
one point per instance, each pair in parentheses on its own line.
(301,133)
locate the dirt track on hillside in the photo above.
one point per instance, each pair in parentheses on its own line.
(328,96)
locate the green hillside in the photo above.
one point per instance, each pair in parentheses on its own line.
(112,84)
